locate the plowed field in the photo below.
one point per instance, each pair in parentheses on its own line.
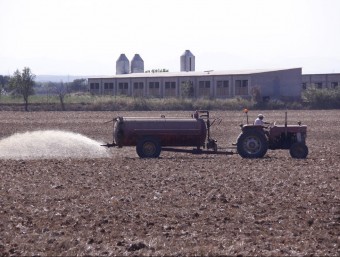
(178,204)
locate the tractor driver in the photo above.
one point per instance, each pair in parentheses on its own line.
(259,120)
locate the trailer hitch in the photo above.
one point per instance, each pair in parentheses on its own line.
(108,145)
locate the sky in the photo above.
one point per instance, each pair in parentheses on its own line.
(86,37)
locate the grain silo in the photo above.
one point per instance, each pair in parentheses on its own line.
(122,65)
(187,61)
(137,64)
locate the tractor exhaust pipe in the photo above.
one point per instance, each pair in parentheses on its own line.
(286,129)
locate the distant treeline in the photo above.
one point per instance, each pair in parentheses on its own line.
(45,87)
(77,85)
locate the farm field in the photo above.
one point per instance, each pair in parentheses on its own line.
(179,204)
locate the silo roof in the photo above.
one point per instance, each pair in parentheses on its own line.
(187,53)
(122,57)
(137,58)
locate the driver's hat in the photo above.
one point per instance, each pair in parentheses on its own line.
(260,116)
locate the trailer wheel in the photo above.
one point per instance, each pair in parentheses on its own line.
(252,144)
(148,147)
(298,150)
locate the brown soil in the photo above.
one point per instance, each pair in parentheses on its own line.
(178,204)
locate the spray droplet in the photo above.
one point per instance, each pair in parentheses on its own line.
(50,144)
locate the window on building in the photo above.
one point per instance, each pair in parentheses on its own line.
(334,85)
(241,87)
(170,85)
(94,86)
(108,86)
(318,85)
(123,88)
(138,85)
(222,88)
(204,84)
(154,89)
(204,88)
(122,85)
(138,89)
(170,89)
(154,85)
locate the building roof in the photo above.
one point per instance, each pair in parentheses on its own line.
(190,73)
(320,74)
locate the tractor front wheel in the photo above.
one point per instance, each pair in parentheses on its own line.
(298,150)
(148,147)
(252,144)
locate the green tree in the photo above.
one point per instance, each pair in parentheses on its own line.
(22,83)
(322,98)
(187,89)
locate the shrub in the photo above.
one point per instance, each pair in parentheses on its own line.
(140,104)
(313,98)
(322,98)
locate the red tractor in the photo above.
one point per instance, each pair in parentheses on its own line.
(255,140)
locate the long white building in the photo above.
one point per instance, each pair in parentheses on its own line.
(133,81)
(278,84)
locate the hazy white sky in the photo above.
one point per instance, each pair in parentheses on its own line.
(86,37)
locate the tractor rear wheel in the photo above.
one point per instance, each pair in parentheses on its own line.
(252,144)
(298,150)
(148,147)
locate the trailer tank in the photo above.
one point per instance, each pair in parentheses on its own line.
(129,131)
(152,135)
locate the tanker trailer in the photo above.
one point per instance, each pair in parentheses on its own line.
(152,135)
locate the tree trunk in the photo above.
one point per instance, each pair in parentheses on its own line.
(62,102)
(26,103)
